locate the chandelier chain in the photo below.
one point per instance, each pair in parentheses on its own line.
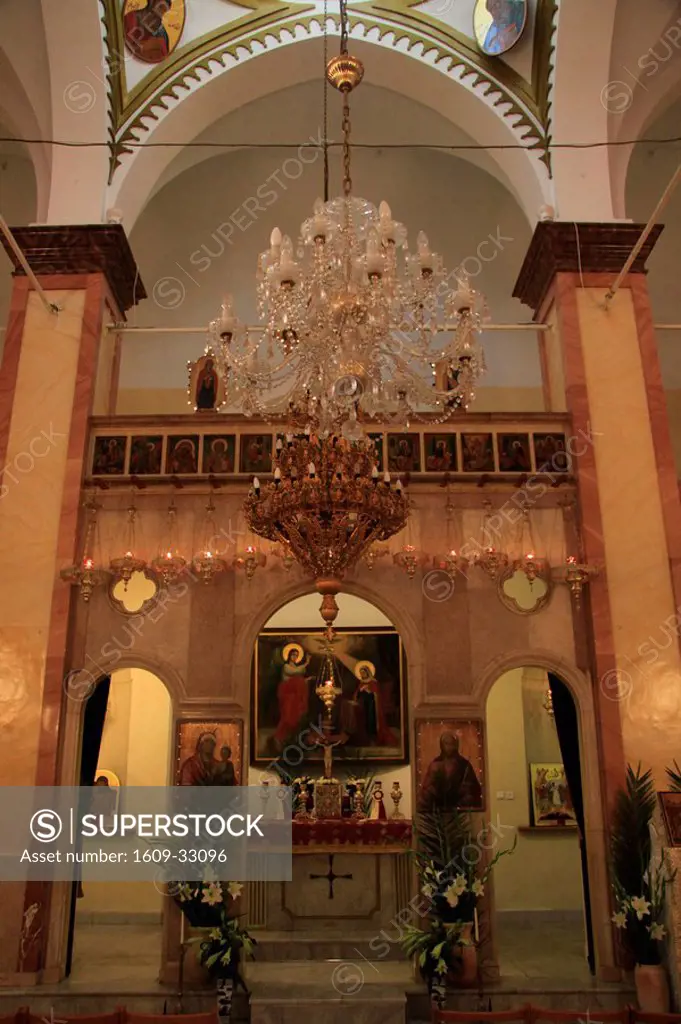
(347,180)
(325,103)
(343,26)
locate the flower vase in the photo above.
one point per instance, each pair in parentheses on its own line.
(652,988)
(224,1000)
(463,973)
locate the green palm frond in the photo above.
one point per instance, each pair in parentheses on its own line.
(674,776)
(630,844)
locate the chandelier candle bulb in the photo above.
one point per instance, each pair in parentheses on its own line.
(374,474)
(277,476)
(256,485)
(311,471)
(386,478)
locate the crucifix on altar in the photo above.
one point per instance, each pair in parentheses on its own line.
(328,791)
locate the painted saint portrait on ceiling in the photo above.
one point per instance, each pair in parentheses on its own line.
(152,28)
(499,24)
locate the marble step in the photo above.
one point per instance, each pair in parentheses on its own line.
(289,946)
(336,991)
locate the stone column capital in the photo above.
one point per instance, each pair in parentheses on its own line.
(587,248)
(82,249)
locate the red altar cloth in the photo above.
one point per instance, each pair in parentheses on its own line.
(367,836)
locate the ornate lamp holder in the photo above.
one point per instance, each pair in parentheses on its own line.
(410,560)
(169,563)
(124,567)
(207,563)
(249,560)
(86,574)
(577,575)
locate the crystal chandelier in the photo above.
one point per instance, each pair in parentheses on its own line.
(326,504)
(351,319)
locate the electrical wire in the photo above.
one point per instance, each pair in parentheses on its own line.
(458,147)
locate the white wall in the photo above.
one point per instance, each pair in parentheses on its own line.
(137,747)
(544,872)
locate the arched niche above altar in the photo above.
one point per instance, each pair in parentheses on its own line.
(366,667)
(353,612)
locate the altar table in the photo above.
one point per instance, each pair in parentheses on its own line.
(338,835)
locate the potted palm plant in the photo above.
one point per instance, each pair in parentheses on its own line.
(211,905)
(453,882)
(639,882)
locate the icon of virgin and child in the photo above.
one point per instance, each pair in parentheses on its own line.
(208,766)
(363,710)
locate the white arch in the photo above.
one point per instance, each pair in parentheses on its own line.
(579,685)
(432,85)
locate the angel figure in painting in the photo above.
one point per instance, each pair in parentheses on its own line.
(450,781)
(293,695)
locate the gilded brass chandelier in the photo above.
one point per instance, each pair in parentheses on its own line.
(350,318)
(326,504)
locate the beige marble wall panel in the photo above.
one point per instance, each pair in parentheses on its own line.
(641,600)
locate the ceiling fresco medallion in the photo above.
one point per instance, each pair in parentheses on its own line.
(153,28)
(499,24)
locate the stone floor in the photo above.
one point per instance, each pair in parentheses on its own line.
(540,961)
(130,955)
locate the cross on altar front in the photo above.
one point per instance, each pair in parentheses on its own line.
(331,876)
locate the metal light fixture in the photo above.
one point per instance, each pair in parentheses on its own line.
(87,574)
(327,505)
(409,558)
(169,563)
(450,561)
(530,563)
(250,559)
(577,574)
(207,563)
(124,566)
(350,319)
(372,555)
(489,558)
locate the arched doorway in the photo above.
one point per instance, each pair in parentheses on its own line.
(542,901)
(126,741)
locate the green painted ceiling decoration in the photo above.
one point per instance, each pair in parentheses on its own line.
(399,23)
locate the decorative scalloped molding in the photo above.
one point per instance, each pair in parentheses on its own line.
(528,108)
